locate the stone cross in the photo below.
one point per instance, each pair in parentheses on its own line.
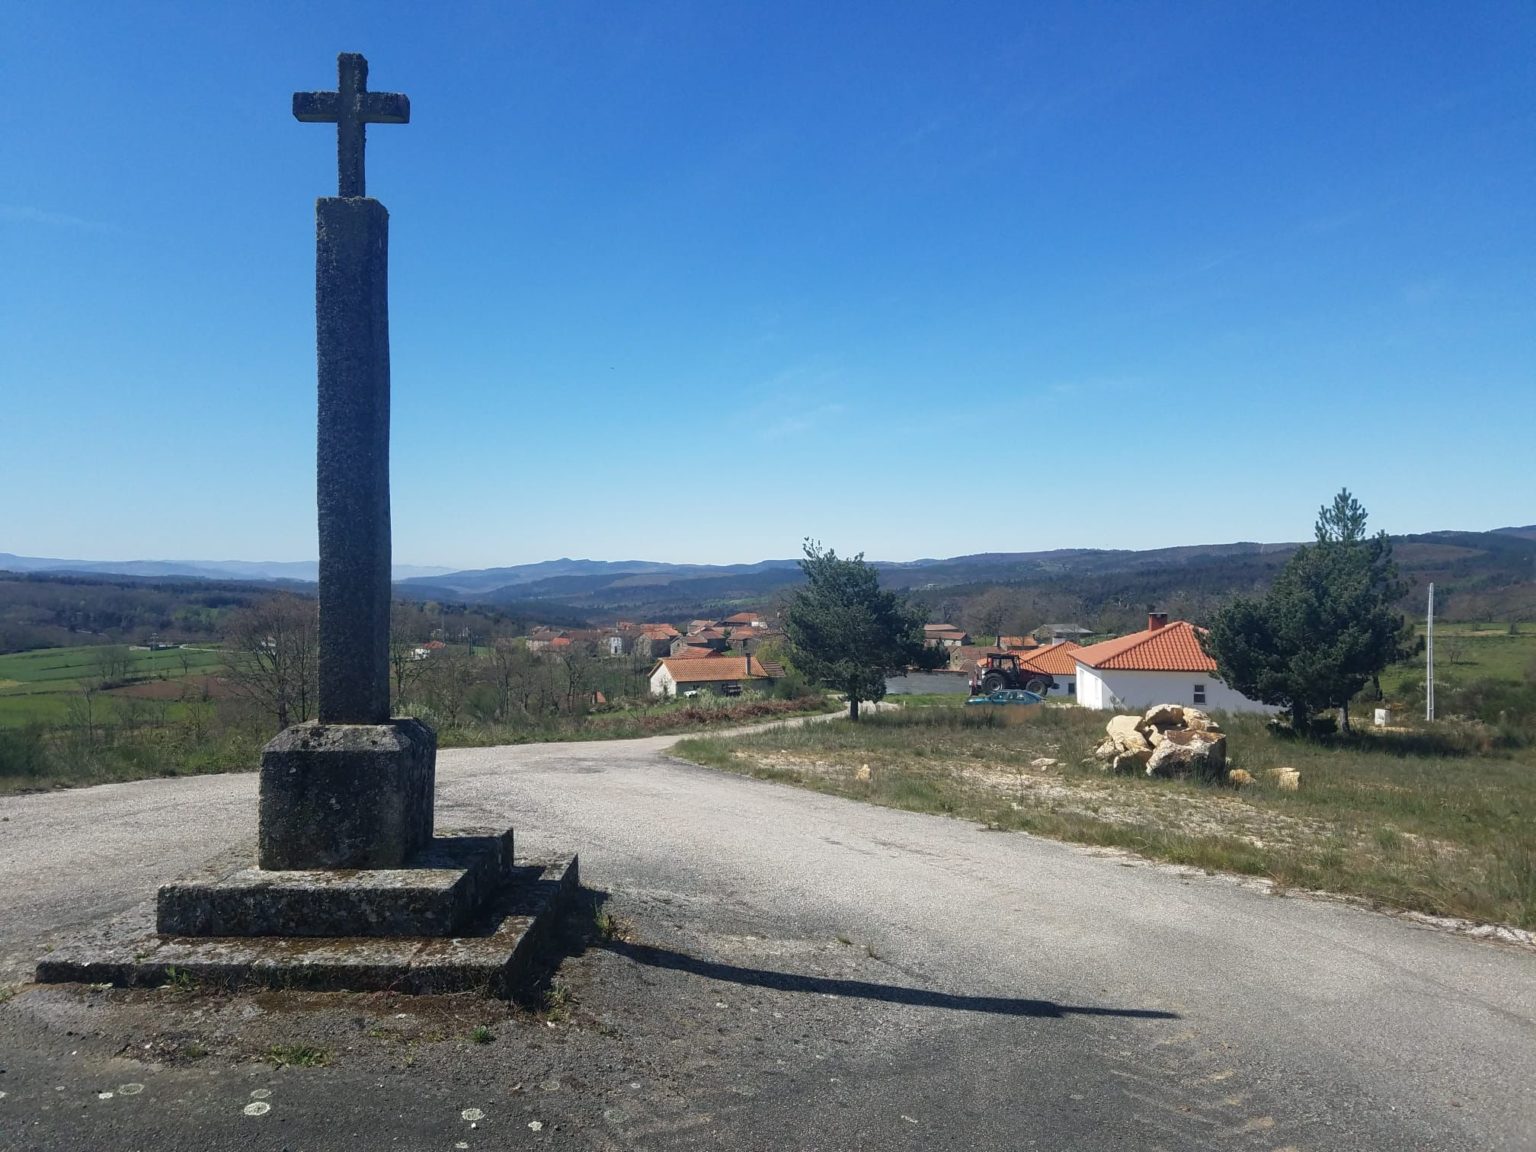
(352,465)
(353,789)
(351,107)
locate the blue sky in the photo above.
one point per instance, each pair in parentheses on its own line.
(691,281)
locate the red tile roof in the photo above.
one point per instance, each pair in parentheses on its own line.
(1172,648)
(712,669)
(1018,643)
(1053,660)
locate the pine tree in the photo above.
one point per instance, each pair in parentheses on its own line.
(845,630)
(1327,626)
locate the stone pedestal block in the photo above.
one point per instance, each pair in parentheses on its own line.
(440,892)
(346,795)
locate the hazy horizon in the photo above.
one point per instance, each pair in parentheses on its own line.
(445,569)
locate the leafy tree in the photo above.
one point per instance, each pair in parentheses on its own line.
(843,629)
(1327,626)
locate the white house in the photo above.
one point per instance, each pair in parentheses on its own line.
(1162,665)
(727,675)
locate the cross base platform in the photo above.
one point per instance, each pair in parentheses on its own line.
(492,953)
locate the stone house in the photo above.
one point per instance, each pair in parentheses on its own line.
(694,644)
(654,640)
(725,675)
(948,635)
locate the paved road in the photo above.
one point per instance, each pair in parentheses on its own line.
(803,972)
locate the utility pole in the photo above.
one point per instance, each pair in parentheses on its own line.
(1429,658)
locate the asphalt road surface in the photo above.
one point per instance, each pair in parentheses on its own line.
(793,971)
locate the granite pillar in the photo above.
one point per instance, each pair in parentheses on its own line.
(352,340)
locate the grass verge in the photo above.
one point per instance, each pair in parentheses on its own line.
(1441,822)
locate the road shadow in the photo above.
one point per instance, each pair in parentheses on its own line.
(865,990)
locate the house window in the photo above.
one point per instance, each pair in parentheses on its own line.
(1199,693)
(1071,687)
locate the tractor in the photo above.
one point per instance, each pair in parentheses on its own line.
(1002,670)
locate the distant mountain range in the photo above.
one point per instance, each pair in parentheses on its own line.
(1493,572)
(305,571)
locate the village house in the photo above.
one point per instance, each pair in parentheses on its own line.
(654,640)
(725,675)
(742,620)
(1058,661)
(946,634)
(745,641)
(540,639)
(1017,643)
(742,633)
(1053,633)
(702,643)
(1164,664)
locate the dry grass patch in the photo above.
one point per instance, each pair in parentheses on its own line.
(1438,823)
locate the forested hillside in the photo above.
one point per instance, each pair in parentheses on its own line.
(1477,576)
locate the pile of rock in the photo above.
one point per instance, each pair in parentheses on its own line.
(1169,740)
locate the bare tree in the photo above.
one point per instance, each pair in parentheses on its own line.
(514,671)
(112,664)
(272,651)
(580,675)
(449,678)
(81,713)
(407,630)
(992,610)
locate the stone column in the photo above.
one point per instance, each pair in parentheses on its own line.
(352,330)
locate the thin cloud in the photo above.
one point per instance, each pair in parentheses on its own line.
(27,214)
(800,423)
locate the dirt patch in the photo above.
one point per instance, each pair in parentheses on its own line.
(177,688)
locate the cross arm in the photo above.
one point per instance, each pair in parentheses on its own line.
(316,107)
(386,108)
(377,108)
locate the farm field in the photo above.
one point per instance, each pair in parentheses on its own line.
(37,686)
(1466,652)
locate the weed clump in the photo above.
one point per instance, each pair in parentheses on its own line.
(298,1055)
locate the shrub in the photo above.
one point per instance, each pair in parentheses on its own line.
(23,751)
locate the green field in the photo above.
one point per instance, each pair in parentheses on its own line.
(37,687)
(1466,652)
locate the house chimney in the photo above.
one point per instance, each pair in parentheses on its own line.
(1156,620)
